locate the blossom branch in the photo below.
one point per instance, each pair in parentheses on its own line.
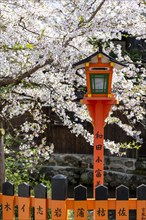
(95,12)
(21,76)
(22,24)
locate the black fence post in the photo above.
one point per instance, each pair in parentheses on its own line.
(59,187)
(101,204)
(122,193)
(141,192)
(40,205)
(80,204)
(24,201)
(24,190)
(8,201)
(8,189)
(101,193)
(141,202)
(59,196)
(80,193)
(122,196)
(40,191)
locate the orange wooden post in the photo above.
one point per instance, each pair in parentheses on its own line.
(98,108)
(141,202)
(59,196)
(40,203)
(122,208)
(101,203)
(8,201)
(24,202)
(80,203)
(98,144)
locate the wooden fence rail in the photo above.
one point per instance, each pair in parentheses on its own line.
(58,207)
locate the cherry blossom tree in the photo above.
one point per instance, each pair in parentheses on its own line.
(40,40)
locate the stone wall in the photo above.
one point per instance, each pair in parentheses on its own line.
(79,170)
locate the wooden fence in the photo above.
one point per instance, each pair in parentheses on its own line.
(59,207)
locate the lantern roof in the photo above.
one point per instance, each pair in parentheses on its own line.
(94,59)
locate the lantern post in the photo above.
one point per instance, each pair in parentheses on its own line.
(99,100)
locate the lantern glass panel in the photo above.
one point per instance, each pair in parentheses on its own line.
(99,83)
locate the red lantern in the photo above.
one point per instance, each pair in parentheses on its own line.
(99,100)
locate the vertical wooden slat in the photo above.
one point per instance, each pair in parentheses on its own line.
(40,204)
(141,202)
(8,201)
(59,196)
(24,202)
(101,203)
(80,203)
(122,209)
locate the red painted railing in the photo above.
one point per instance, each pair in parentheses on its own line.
(58,207)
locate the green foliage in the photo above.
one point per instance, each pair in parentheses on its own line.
(136,54)
(14,172)
(81,19)
(125,35)
(42,34)
(17,47)
(29,85)
(5,47)
(17,172)
(11,141)
(4,90)
(94,42)
(130,145)
(29,46)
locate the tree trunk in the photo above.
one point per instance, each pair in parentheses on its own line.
(2,158)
